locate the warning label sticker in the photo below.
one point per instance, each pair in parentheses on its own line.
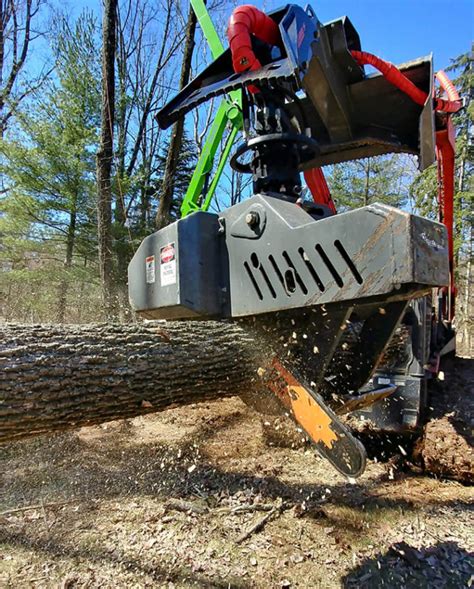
(150,269)
(168,265)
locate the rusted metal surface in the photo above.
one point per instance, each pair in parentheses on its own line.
(375,251)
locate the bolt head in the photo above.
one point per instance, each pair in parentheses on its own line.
(252,219)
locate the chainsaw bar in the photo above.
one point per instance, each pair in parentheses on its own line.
(330,437)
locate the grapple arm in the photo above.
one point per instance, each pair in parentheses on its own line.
(351,115)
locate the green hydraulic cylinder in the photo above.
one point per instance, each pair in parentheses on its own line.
(201,188)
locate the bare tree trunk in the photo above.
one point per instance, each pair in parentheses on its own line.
(140,74)
(465,315)
(367,183)
(122,243)
(15,36)
(165,54)
(468,316)
(166,196)
(105,157)
(58,377)
(64,283)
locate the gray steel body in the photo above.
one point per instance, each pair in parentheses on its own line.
(266,254)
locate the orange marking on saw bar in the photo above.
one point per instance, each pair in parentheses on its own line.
(311,417)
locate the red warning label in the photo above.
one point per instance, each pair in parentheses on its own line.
(168,265)
(167,253)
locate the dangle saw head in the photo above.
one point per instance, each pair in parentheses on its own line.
(301,277)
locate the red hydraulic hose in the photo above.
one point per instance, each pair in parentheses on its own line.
(393,75)
(445,144)
(245,21)
(445,154)
(453,104)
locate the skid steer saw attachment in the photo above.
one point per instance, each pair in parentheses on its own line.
(293,272)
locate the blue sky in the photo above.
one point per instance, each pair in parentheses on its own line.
(396,30)
(401,30)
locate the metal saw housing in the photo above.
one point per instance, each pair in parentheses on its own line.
(267,254)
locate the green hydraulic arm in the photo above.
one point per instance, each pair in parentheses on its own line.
(201,187)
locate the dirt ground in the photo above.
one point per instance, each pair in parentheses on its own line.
(166,501)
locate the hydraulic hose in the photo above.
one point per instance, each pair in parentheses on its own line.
(453,104)
(245,21)
(393,75)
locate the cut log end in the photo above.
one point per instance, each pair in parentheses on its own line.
(446,447)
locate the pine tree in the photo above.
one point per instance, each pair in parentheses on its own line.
(359,183)
(187,159)
(49,170)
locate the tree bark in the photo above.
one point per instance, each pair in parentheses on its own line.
(105,157)
(468,317)
(367,183)
(70,243)
(57,377)
(167,191)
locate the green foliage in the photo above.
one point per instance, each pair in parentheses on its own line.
(48,170)
(47,216)
(424,189)
(382,179)
(148,191)
(29,291)
(187,160)
(50,165)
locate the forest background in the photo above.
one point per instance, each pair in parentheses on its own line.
(86,173)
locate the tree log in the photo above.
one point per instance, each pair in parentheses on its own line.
(54,377)
(446,447)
